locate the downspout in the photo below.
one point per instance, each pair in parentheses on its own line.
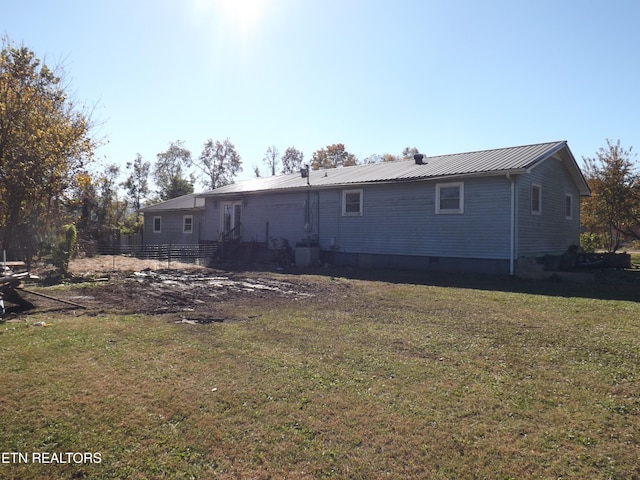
(512,227)
(318,215)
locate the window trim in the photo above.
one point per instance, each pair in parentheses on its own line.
(184,224)
(360,211)
(446,211)
(159,219)
(534,187)
(568,207)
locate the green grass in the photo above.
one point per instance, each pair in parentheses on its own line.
(373,380)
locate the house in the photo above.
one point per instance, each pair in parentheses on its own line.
(476,211)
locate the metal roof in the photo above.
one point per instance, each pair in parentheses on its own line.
(185,202)
(486,162)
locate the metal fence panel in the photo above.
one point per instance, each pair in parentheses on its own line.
(170,252)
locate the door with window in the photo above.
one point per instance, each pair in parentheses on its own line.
(231,220)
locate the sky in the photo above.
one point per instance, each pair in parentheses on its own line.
(444,76)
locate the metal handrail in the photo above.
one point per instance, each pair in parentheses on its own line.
(233,234)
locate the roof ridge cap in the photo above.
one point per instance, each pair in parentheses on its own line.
(499,148)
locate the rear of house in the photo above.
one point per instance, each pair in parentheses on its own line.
(477,211)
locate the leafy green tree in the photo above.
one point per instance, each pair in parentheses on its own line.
(333,156)
(110,210)
(137,183)
(177,187)
(218,163)
(169,172)
(81,201)
(136,187)
(62,250)
(44,141)
(98,211)
(613,210)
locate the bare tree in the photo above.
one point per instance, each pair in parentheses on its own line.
(272,158)
(409,152)
(377,158)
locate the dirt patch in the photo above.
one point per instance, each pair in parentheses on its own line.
(196,296)
(122,263)
(185,293)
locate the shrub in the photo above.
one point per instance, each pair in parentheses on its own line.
(590,242)
(63,249)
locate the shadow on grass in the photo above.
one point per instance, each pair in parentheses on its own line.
(601,284)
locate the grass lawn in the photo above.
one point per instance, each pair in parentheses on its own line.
(375,379)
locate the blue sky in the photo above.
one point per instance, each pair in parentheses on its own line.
(445,76)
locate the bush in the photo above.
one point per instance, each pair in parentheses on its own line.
(63,249)
(590,242)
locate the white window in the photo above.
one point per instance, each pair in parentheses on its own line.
(450,197)
(568,206)
(352,203)
(157,224)
(187,224)
(536,199)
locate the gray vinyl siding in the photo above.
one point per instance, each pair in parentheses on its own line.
(274,215)
(397,219)
(398,224)
(211,220)
(285,214)
(171,230)
(551,231)
(400,219)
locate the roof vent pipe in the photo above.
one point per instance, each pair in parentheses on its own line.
(304,173)
(418,157)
